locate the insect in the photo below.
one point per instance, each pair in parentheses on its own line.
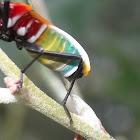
(46,43)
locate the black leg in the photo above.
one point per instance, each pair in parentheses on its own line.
(69,91)
(39,50)
(5,15)
(23,70)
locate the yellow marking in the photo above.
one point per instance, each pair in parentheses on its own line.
(47,42)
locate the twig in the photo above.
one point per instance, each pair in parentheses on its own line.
(33,97)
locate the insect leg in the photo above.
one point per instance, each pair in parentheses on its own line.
(38,49)
(68,56)
(73,57)
(69,90)
(5,15)
(20,44)
(25,68)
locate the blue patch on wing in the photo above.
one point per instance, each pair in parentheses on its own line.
(70,48)
(69,67)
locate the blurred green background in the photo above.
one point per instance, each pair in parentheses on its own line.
(110,33)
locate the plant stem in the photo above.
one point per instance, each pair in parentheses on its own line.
(33,97)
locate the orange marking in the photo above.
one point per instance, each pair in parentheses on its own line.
(38,17)
(86,69)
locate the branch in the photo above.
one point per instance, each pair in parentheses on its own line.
(33,97)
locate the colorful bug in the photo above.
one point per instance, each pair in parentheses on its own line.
(46,43)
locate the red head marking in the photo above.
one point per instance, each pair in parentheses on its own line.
(18,9)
